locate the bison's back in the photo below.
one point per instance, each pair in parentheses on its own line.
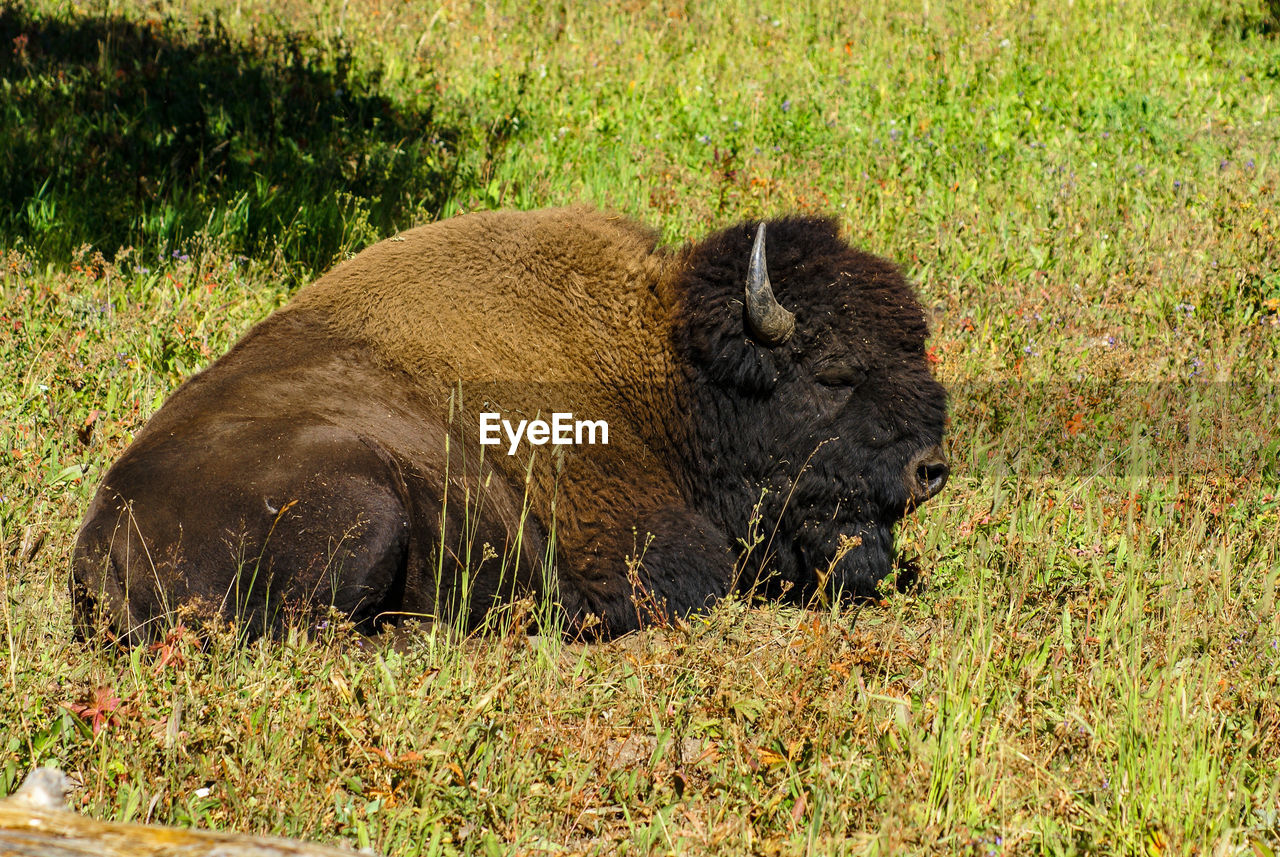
(494,296)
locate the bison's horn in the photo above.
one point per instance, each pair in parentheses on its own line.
(765,316)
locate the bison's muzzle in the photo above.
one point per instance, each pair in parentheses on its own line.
(927,475)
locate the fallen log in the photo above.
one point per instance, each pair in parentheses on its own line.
(34,822)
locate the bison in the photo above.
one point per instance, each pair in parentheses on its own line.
(768,423)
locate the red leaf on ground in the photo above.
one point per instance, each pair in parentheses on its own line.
(101,711)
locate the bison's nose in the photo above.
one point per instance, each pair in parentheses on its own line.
(926,474)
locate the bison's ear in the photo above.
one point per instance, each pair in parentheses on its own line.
(737,363)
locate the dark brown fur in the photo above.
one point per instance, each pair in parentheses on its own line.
(331,457)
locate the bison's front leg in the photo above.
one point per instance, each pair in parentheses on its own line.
(673,562)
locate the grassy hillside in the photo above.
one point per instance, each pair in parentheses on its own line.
(1088,194)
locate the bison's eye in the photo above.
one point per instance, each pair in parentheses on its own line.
(839,375)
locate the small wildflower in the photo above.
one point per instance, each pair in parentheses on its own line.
(786,105)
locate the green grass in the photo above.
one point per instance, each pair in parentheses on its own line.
(1086,192)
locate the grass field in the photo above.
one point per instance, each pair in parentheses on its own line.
(1088,194)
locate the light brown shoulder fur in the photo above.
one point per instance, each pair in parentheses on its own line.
(501,296)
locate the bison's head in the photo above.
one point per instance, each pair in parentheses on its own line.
(810,389)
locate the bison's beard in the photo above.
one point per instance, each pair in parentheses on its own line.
(809,560)
(857,563)
(841,561)
(835,537)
